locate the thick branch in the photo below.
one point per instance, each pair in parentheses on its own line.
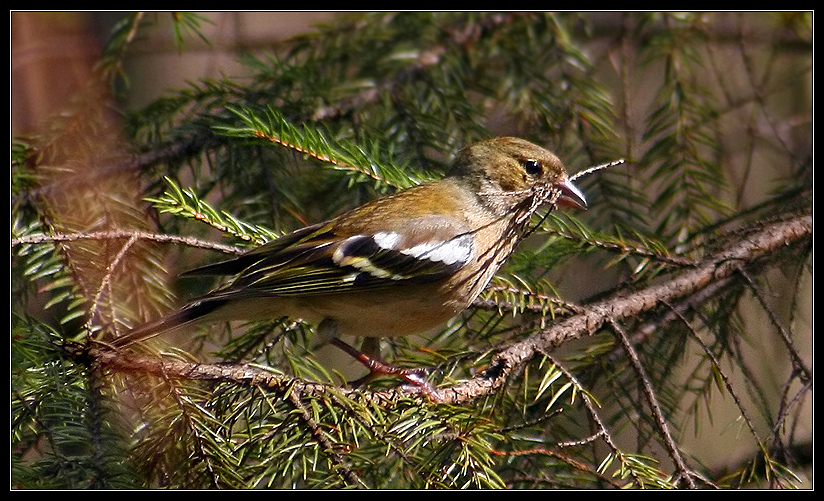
(717,267)
(250,375)
(588,320)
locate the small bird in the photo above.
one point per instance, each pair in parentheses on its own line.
(399,265)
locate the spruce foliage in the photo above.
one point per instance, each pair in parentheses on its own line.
(713,116)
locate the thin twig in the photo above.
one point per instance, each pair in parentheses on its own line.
(119,234)
(106,281)
(593,412)
(349,476)
(798,364)
(596,168)
(652,401)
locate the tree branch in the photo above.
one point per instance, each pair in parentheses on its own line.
(719,266)
(743,254)
(127,234)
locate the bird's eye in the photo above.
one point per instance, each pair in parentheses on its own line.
(533,167)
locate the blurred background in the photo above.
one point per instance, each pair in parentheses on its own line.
(53,55)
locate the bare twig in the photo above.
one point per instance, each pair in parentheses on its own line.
(129,234)
(344,470)
(652,401)
(798,364)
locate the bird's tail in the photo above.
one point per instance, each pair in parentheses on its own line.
(187,315)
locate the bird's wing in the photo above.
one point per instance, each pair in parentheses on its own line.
(329,258)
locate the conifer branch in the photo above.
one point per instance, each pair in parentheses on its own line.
(696,253)
(744,254)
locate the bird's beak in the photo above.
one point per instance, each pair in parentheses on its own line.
(571,196)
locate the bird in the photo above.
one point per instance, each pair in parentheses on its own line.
(399,265)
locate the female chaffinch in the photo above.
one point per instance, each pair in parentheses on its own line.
(396,266)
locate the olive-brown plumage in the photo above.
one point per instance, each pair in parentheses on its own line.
(399,265)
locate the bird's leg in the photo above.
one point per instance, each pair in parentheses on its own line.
(414,377)
(376,367)
(370,348)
